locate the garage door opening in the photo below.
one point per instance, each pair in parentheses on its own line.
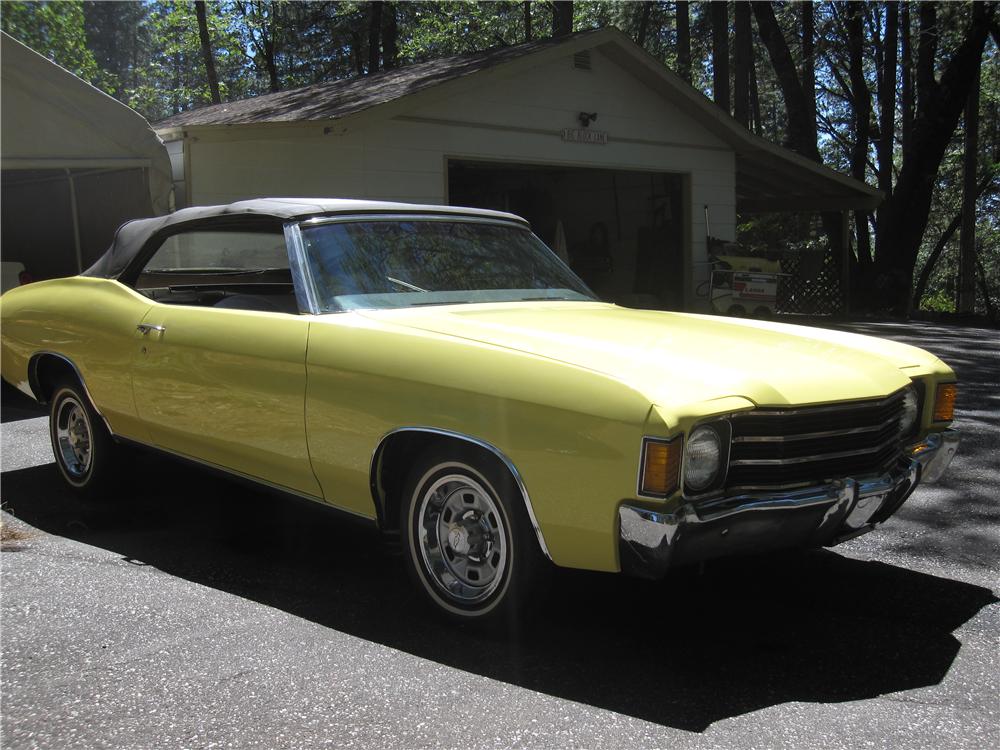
(624,233)
(57,222)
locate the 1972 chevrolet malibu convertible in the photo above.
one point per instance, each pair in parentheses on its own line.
(439,372)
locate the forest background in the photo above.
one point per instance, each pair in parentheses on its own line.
(905,96)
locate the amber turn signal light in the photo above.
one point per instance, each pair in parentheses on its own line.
(661,465)
(944,402)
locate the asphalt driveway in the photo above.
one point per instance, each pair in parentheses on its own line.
(202,613)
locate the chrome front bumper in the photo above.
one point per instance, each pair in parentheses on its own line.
(650,541)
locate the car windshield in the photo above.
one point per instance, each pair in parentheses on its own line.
(386,263)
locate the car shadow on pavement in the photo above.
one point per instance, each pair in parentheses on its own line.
(15,406)
(685,652)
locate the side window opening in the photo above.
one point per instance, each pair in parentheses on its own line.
(242,270)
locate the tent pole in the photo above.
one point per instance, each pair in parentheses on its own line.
(76,221)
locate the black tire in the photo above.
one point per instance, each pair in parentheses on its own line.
(490,569)
(84,450)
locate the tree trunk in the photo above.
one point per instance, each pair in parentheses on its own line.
(801,116)
(640,34)
(754,96)
(683,41)
(862,100)
(390,33)
(743,62)
(801,123)
(527,20)
(887,100)
(906,124)
(562,17)
(967,236)
(206,51)
(720,53)
(272,70)
(175,96)
(357,52)
(809,58)
(939,108)
(374,35)
(925,273)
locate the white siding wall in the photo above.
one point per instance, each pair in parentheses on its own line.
(511,118)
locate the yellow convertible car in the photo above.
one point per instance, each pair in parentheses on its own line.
(440,373)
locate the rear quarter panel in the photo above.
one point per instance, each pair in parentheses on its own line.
(89,321)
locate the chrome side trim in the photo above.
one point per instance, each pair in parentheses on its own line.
(298,263)
(35,386)
(812,435)
(249,478)
(373,468)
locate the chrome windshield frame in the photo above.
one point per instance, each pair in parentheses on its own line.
(302,280)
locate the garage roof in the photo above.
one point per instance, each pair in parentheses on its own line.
(768,177)
(51,119)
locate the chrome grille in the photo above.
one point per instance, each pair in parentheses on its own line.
(775,448)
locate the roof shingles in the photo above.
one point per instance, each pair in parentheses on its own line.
(336,99)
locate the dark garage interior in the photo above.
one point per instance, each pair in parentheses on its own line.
(621,231)
(57,222)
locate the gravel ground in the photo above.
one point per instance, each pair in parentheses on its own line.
(201,613)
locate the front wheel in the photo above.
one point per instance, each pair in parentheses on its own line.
(469,543)
(83,447)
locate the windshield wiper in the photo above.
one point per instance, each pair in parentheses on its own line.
(544,299)
(405,284)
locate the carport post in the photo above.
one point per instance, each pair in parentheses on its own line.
(845,258)
(76,220)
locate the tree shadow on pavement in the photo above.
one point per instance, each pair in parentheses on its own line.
(961,510)
(685,652)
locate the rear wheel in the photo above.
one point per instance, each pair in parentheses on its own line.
(469,543)
(83,447)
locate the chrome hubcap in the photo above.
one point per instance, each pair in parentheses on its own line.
(73,437)
(462,538)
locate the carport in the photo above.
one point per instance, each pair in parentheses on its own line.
(76,164)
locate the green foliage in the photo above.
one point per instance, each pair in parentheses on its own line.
(939,301)
(56,30)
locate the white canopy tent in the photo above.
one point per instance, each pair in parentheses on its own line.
(76,163)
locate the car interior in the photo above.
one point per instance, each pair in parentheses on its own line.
(235,270)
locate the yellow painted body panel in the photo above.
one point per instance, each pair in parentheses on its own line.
(91,322)
(228,387)
(565,390)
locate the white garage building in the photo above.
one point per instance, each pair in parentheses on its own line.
(611,156)
(76,163)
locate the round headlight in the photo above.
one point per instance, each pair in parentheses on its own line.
(702,458)
(909,415)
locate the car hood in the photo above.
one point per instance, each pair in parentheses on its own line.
(677,358)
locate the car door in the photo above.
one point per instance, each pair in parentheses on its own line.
(213,378)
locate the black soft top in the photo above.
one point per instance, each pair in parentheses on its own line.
(132,236)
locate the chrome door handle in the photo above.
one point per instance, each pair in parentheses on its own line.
(145,328)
